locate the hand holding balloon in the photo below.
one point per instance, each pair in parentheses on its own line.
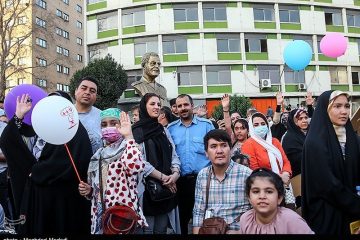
(23,105)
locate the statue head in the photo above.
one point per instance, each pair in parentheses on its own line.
(150,63)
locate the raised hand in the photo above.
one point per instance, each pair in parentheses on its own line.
(202,111)
(23,105)
(225,102)
(125,126)
(279,98)
(309,99)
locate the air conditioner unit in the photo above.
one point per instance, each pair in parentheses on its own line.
(265,83)
(302,86)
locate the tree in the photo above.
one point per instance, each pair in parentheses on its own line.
(237,104)
(111,77)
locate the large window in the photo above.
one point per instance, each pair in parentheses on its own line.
(62,51)
(289,14)
(185,12)
(338,75)
(214,12)
(269,72)
(228,42)
(292,77)
(255,43)
(353,18)
(94,1)
(333,17)
(133,76)
(355,75)
(40,22)
(133,17)
(216,75)
(98,51)
(144,45)
(263,12)
(174,44)
(189,76)
(62,87)
(107,21)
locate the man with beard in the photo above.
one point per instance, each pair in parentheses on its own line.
(150,63)
(85,97)
(188,133)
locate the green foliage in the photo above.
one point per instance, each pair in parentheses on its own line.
(238,104)
(111,77)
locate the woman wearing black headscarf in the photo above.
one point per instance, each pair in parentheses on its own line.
(50,201)
(161,164)
(330,167)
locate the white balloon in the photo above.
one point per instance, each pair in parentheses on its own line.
(55,120)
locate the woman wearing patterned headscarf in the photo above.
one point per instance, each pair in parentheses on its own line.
(121,163)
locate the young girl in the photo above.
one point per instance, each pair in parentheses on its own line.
(121,163)
(265,191)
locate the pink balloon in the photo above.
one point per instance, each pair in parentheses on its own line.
(333,44)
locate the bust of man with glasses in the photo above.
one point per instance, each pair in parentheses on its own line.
(150,63)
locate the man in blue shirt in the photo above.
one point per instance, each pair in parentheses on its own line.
(188,133)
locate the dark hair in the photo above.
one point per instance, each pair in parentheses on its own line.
(186,95)
(88,78)
(217,134)
(61,94)
(260,115)
(135,107)
(240,158)
(235,112)
(172,101)
(147,96)
(168,114)
(242,121)
(271,176)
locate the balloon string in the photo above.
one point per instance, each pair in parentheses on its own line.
(72,162)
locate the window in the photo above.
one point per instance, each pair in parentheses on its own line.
(355,73)
(65,34)
(21,61)
(133,76)
(21,20)
(78,24)
(66,70)
(264,13)
(41,42)
(59,49)
(338,75)
(62,87)
(174,44)
(41,3)
(58,31)
(42,82)
(98,51)
(59,68)
(144,45)
(107,21)
(292,76)
(94,1)
(66,2)
(133,17)
(78,8)
(306,38)
(40,22)
(269,72)
(21,81)
(79,41)
(65,52)
(289,14)
(58,13)
(65,17)
(185,12)
(214,12)
(228,43)
(189,76)
(353,18)
(41,62)
(79,58)
(333,17)
(216,75)
(255,43)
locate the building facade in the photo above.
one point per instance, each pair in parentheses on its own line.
(209,48)
(50,38)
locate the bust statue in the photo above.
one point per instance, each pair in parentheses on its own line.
(150,63)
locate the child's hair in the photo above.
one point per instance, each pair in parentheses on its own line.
(271,176)
(240,158)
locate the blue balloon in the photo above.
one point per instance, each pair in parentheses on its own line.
(297,55)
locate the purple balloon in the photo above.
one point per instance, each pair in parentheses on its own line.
(36,94)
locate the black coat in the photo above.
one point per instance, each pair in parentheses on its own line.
(329,199)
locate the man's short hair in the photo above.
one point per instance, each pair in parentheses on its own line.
(88,78)
(135,107)
(218,135)
(168,114)
(146,57)
(172,101)
(186,95)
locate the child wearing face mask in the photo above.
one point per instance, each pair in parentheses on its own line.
(121,163)
(265,192)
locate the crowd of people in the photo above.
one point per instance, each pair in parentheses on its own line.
(291,171)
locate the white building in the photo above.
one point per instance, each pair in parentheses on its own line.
(209,48)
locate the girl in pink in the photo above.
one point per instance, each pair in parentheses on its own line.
(265,191)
